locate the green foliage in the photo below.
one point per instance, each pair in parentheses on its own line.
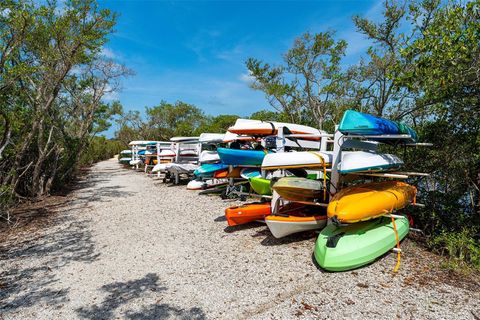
(217,124)
(101,148)
(310,88)
(460,247)
(180,119)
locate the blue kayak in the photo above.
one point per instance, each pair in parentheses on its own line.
(238,157)
(354,122)
(207,170)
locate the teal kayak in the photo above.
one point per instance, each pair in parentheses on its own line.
(349,247)
(358,123)
(238,157)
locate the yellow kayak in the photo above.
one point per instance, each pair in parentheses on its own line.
(371,200)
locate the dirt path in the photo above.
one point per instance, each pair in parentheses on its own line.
(127,246)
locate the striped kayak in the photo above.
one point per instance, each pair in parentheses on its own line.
(358,123)
(352,246)
(257,127)
(371,200)
(238,157)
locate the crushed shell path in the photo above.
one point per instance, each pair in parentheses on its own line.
(128,246)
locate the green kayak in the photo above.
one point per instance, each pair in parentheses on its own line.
(358,244)
(261,186)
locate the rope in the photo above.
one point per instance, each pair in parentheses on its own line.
(324,165)
(398,245)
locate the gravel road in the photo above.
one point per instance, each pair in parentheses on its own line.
(125,245)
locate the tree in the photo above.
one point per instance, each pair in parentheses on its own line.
(167,120)
(311,84)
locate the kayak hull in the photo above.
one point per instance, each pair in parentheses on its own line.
(302,159)
(257,127)
(356,245)
(261,186)
(246,213)
(282,226)
(207,184)
(358,123)
(362,161)
(371,200)
(238,157)
(299,189)
(207,170)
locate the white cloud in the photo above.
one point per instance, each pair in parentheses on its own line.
(246,77)
(108,53)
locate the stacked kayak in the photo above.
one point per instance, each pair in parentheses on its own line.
(239,157)
(358,123)
(355,245)
(368,201)
(246,213)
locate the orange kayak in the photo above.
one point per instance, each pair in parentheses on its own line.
(247,213)
(371,200)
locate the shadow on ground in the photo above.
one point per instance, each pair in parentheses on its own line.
(124,293)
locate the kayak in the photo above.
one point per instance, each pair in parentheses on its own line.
(303,159)
(206,184)
(257,127)
(358,123)
(362,161)
(355,245)
(208,169)
(261,186)
(238,157)
(247,173)
(208,157)
(299,189)
(281,226)
(371,200)
(124,160)
(247,213)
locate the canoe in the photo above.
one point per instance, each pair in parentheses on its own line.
(371,200)
(299,189)
(247,213)
(208,169)
(303,159)
(358,123)
(261,186)
(206,184)
(363,161)
(257,127)
(282,226)
(355,245)
(247,173)
(238,157)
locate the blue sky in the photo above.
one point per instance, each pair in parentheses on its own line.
(195,51)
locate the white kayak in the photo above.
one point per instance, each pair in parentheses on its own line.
(181,167)
(281,226)
(364,161)
(302,159)
(161,167)
(207,184)
(208,157)
(166,153)
(135,162)
(257,127)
